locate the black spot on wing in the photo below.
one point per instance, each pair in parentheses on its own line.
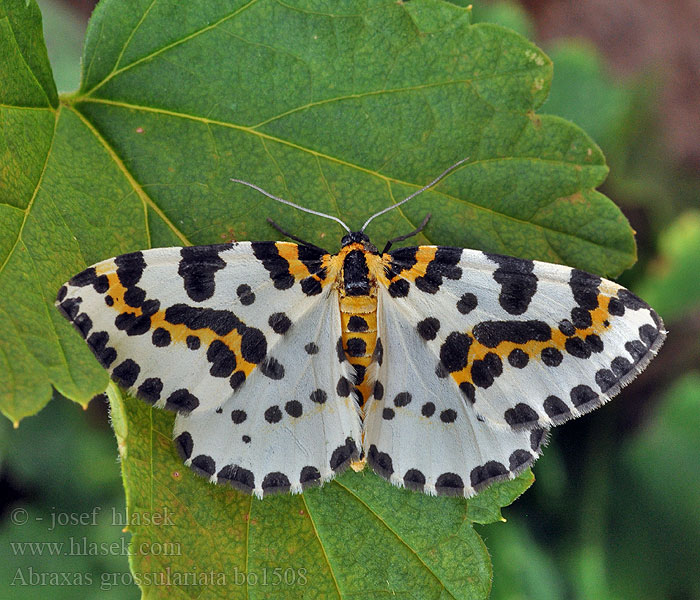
(222,359)
(342,455)
(70,308)
(584,287)
(182,401)
(238,416)
(150,390)
(555,408)
(537,437)
(444,265)
(551,357)
(378,391)
(245,294)
(294,408)
(581,395)
(636,349)
(133,324)
(577,347)
(89,277)
(631,301)
(519,459)
(449,484)
(440,371)
(309,476)
(84,278)
(276,265)
(521,415)
(414,480)
(402,399)
(318,396)
(343,387)
(581,318)
(279,322)
(339,350)
(448,416)
(616,307)
(487,473)
(567,327)
(311,286)
(605,379)
(161,337)
(83,324)
(126,373)
(594,343)
(380,462)
(518,282)
(467,303)
(620,366)
(518,359)
(130,268)
(648,334)
(428,328)
(492,333)
(134,296)
(399,288)
(253,345)
(237,477)
(275,483)
(273,414)
(428,409)
(272,368)
(221,322)
(237,380)
(468,390)
(454,352)
(184,445)
(312,258)
(105,354)
(203,465)
(403,259)
(378,354)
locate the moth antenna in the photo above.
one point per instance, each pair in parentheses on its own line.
(414,194)
(288,203)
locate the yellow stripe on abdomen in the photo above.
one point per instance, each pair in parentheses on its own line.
(358,316)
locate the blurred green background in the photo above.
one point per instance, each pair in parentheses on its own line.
(615,511)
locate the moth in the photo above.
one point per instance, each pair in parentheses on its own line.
(443,368)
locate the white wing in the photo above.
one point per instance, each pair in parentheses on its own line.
(506,347)
(419,430)
(239,340)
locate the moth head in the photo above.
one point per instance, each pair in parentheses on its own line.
(358,237)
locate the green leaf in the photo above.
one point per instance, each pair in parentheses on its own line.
(343,107)
(25,78)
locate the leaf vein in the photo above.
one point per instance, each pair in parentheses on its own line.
(136,186)
(151,55)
